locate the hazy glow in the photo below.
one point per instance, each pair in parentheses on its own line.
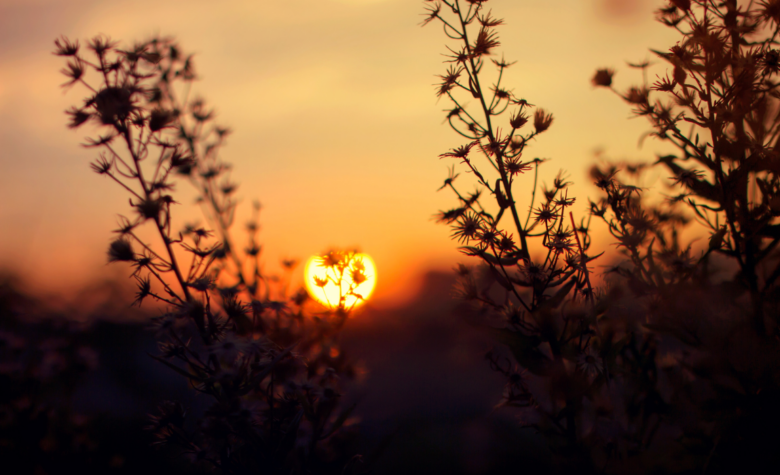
(318,92)
(348,293)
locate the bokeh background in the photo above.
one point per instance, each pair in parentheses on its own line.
(337,129)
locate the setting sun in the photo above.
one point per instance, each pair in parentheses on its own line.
(340,278)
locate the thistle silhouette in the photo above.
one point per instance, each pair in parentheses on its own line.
(650,372)
(269,363)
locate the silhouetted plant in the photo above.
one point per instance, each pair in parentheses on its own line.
(674,364)
(268,360)
(723,91)
(499,163)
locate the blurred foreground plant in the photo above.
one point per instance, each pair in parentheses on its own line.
(674,365)
(267,360)
(42,360)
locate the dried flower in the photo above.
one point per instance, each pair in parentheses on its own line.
(636,95)
(486,40)
(113,105)
(100,45)
(460,152)
(665,84)
(518,120)
(74,71)
(449,80)
(432,12)
(546,214)
(449,216)
(160,119)
(120,250)
(149,208)
(542,120)
(101,166)
(771,61)
(77,117)
(65,47)
(467,227)
(488,21)
(515,166)
(603,77)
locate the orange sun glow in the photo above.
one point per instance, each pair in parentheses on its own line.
(340,278)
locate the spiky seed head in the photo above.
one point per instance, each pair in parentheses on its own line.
(603,77)
(120,250)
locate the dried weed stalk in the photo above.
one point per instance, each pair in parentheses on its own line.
(674,365)
(269,362)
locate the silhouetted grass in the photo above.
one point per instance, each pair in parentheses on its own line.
(267,360)
(671,366)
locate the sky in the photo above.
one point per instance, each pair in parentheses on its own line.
(337,128)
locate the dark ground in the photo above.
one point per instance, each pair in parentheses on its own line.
(425,402)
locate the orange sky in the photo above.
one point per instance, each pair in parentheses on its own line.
(336,125)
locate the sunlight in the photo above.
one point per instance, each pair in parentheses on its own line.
(340,278)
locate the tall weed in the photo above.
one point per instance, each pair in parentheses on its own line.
(672,365)
(269,361)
